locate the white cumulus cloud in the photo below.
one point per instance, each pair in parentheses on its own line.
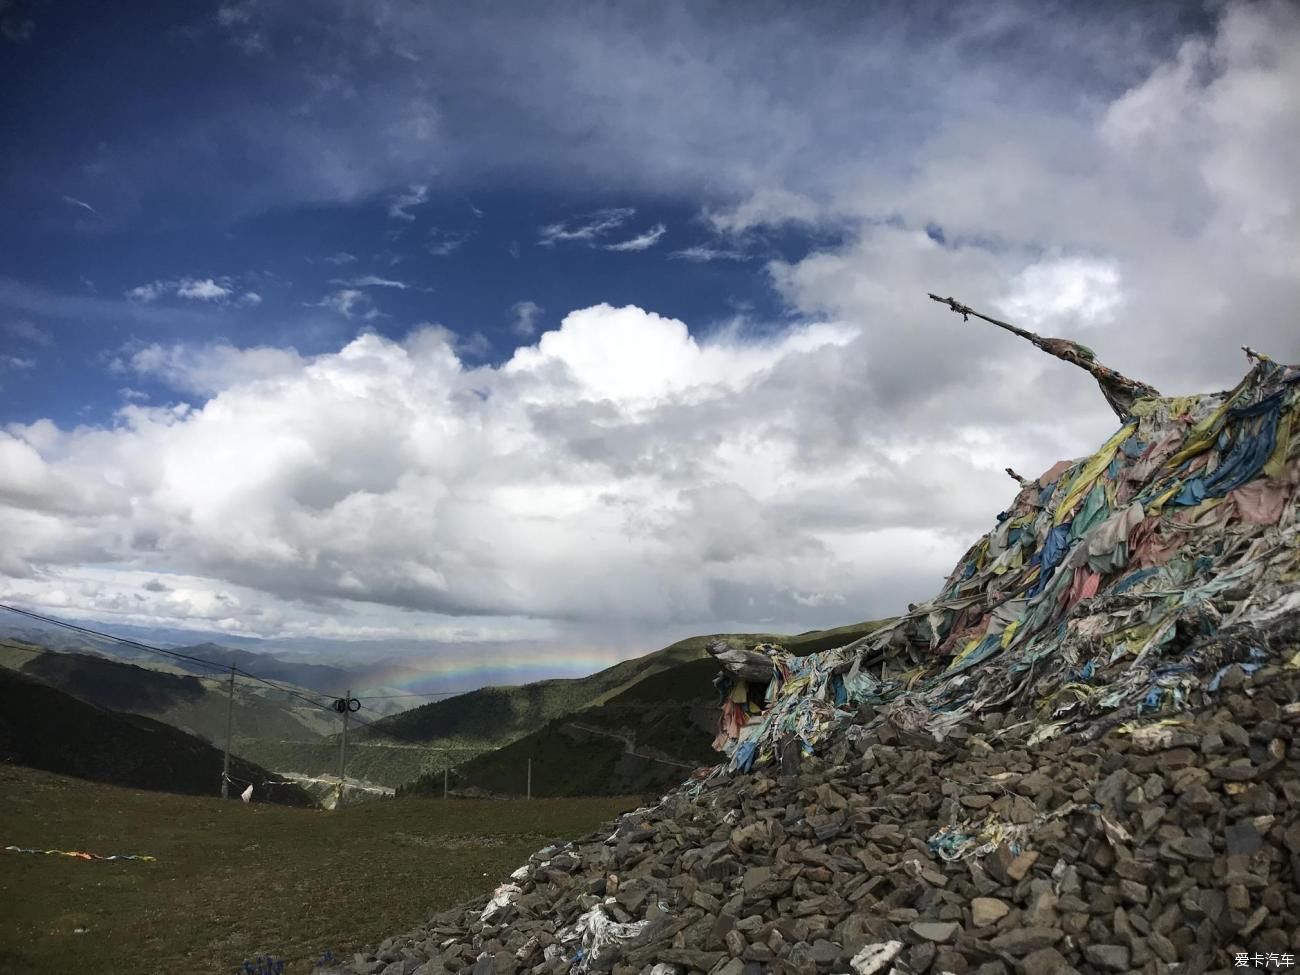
(204,290)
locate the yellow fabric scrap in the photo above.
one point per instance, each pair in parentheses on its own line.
(1083,481)
(966,651)
(1128,727)
(1156,505)
(1083,690)
(794,686)
(1277,460)
(1203,434)
(1009,633)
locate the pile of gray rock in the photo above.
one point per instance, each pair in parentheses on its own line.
(1170,846)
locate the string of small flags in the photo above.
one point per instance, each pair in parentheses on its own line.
(82,855)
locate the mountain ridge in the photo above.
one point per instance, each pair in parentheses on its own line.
(45,728)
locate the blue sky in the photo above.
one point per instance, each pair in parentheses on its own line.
(162,172)
(314,275)
(584,328)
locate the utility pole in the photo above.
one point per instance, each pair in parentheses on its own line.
(530,778)
(343,749)
(230,727)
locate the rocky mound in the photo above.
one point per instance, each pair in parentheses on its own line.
(1080,756)
(1163,848)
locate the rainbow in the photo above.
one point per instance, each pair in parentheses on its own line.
(466,669)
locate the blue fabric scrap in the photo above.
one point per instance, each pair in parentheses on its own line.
(1193,493)
(1131,580)
(742,760)
(1251,452)
(1056,545)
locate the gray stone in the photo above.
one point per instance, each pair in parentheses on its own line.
(1111,958)
(1193,847)
(824,952)
(1021,941)
(988,910)
(1045,961)
(756,877)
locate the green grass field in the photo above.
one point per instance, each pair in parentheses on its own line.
(233,882)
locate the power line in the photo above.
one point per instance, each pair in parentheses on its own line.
(160,650)
(123,640)
(209,663)
(284,689)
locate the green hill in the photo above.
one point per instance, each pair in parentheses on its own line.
(645,724)
(192,703)
(42,727)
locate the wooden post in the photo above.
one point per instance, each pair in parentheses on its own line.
(1120,391)
(343,748)
(444,781)
(230,726)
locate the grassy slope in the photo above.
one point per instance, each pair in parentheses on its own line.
(381,761)
(197,705)
(42,727)
(669,714)
(270,728)
(234,881)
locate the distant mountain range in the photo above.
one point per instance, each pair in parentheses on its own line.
(325,680)
(196,704)
(639,725)
(407,667)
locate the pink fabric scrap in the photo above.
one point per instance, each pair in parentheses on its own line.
(1261,502)
(1084,586)
(1053,473)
